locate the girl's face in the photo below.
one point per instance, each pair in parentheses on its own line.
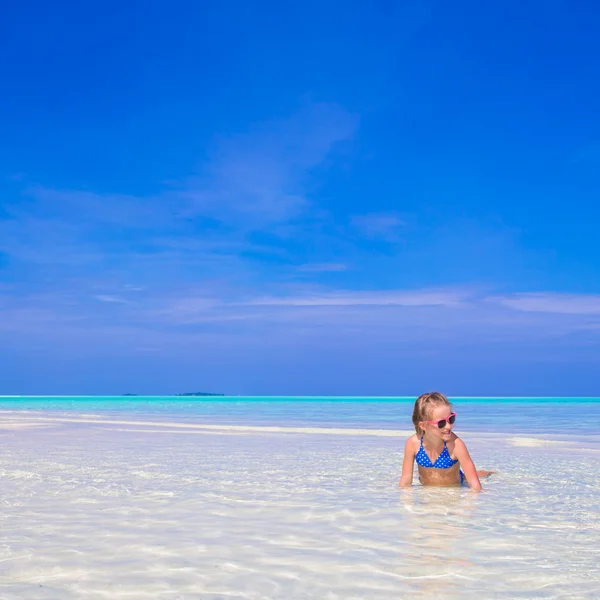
(432,429)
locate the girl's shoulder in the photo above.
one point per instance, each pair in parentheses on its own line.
(413,442)
(455,442)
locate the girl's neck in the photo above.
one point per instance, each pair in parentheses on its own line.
(433,442)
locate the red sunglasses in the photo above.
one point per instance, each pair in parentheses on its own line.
(441,423)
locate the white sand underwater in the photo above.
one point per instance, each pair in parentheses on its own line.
(95,508)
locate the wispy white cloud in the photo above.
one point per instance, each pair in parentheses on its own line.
(206,223)
(203,259)
(551,302)
(186,320)
(368,298)
(111,299)
(258,178)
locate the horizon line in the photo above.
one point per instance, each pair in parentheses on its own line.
(227,396)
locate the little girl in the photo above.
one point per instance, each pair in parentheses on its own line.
(439,453)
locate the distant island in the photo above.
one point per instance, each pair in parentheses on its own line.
(185,394)
(198,394)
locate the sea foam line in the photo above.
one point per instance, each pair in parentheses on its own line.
(235,428)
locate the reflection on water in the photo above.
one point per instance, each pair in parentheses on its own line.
(95,511)
(434,530)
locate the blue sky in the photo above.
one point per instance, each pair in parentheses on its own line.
(300,198)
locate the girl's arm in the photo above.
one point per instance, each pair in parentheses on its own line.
(466,463)
(408,463)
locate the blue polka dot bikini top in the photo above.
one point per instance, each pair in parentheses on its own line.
(443,461)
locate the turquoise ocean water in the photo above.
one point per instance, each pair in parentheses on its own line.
(569,416)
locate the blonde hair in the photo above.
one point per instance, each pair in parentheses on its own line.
(424,406)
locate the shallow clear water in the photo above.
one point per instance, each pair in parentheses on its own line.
(280,500)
